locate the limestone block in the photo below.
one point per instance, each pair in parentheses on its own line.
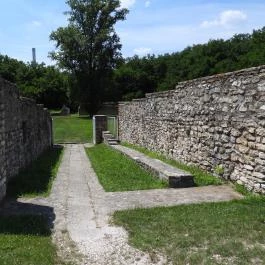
(248,167)
(260,169)
(259,161)
(262,156)
(261,86)
(243,108)
(235,132)
(259,175)
(242,140)
(260,147)
(250,137)
(243,149)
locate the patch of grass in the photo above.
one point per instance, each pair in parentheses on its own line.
(73,129)
(37,179)
(201,177)
(244,191)
(210,233)
(26,240)
(119,173)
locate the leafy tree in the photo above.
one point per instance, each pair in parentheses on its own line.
(46,84)
(89,46)
(137,76)
(9,68)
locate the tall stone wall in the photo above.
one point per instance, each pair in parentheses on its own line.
(2,145)
(25,132)
(216,122)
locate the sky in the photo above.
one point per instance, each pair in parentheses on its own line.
(152,26)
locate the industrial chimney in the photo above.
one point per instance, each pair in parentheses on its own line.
(34,55)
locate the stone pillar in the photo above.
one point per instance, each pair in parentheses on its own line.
(100,125)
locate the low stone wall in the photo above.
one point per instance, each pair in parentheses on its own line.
(216,122)
(25,132)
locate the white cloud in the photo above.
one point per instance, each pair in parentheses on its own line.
(226,19)
(127,3)
(147,3)
(32,26)
(142,51)
(36,23)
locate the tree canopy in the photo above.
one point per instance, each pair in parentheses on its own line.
(46,84)
(125,79)
(137,76)
(89,47)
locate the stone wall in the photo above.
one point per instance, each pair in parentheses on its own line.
(2,145)
(216,122)
(25,132)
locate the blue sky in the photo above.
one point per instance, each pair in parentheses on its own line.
(152,26)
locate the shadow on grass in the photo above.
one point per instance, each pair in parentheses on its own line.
(25,233)
(56,114)
(30,222)
(36,179)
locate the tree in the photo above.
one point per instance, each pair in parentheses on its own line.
(46,84)
(137,76)
(89,47)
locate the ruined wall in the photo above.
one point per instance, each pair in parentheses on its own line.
(2,145)
(216,122)
(25,132)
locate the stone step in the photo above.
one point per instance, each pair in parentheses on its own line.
(109,138)
(176,178)
(113,142)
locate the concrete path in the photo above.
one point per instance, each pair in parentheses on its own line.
(83,209)
(81,212)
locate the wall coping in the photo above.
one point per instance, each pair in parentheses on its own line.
(179,85)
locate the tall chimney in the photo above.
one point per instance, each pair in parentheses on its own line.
(34,55)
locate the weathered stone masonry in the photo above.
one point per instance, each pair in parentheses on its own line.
(216,122)
(25,132)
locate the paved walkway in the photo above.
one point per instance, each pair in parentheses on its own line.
(82,210)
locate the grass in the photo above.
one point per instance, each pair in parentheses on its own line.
(36,180)
(26,240)
(201,177)
(209,233)
(119,173)
(243,190)
(73,129)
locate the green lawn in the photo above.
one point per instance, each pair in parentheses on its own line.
(36,179)
(119,173)
(212,233)
(73,129)
(26,240)
(201,178)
